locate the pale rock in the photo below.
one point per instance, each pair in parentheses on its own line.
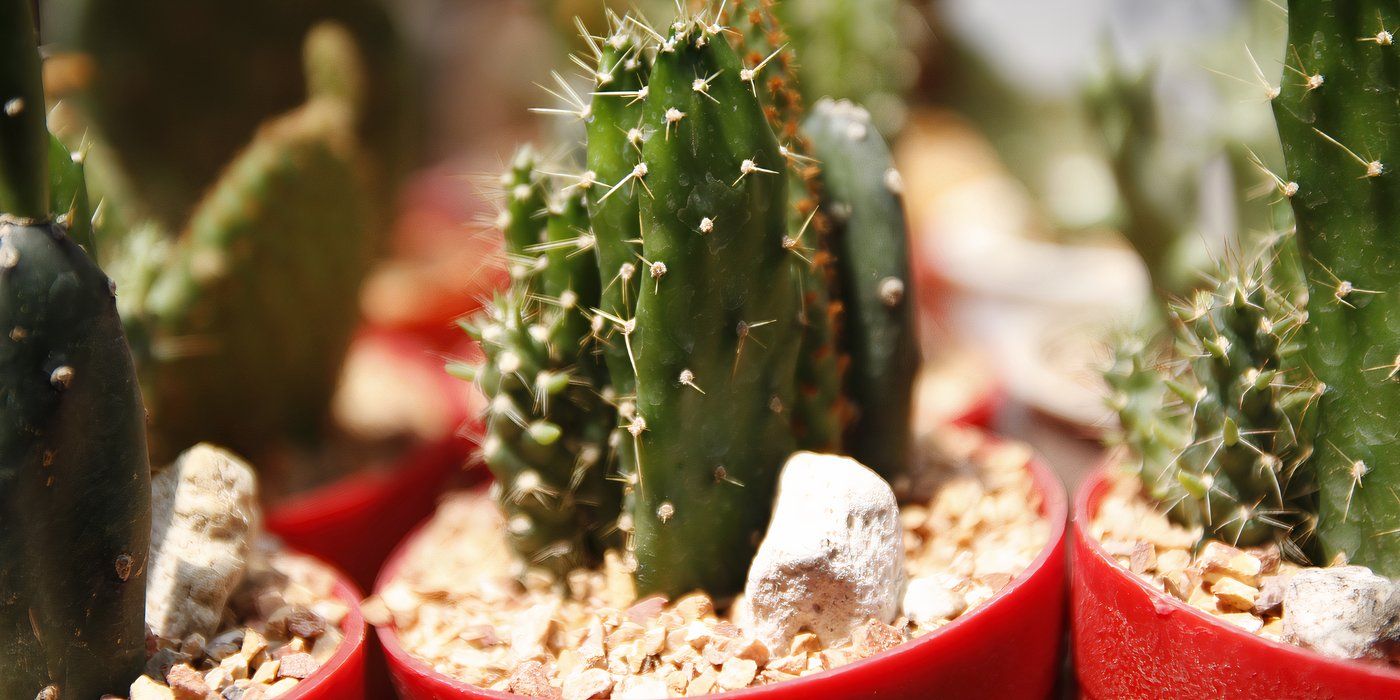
(640,688)
(204,517)
(928,601)
(146,688)
(1341,611)
(833,556)
(587,684)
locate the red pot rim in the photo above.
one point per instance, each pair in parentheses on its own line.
(329,682)
(1054,507)
(1086,502)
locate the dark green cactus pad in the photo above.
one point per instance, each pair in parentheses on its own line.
(862,195)
(74,479)
(715,321)
(1339,120)
(75,514)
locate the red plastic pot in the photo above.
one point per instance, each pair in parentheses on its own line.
(1008,648)
(355,522)
(1132,641)
(343,676)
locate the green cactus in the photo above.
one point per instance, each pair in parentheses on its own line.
(74,478)
(547,424)
(713,312)
(1291,411)
(1220,434)
(863,195)
(1340,128)
(221,316)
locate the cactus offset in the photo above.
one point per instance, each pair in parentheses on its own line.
(863,195)
(74,478)
(1340,129)
(547,425)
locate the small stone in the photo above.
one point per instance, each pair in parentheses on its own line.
(1142,558)
(160,663)
(1344,611)
(146,688)
(833,555)
(1245,621)
(326,644)
(1232,594)
(217,679)
(528,678)
(640,688)
(186,683)
(702,684)
(204,508)
(279,688)
(253,644)
(1271,589)
(224,645)
(590,650)
(1173,560)
(1219,560)
(646,610)
(299,665)
(805,643)
(193,645)
(297,621)
(1182,583)
(927,601)
(751,649)
(587,684)
(533,628)
(695,606)
(874,637)
(736,674)
(236,666)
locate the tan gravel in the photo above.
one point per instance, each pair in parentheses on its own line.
(463,605)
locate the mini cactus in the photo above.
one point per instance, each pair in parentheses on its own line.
(1287,403)
(547,425)
(221,316)
(714,315)
(74,477)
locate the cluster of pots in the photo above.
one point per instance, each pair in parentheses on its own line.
(1126,639)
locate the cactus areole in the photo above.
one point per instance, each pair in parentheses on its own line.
(74,477)
(669,337)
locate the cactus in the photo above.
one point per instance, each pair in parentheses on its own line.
(1292,411)
(74,477)
(1219,435)
(547,424)
(1341,139)
(863,195)
(221,316)
(714,315)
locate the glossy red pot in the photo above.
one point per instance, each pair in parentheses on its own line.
(1132,641)
(1008,648)
(343,676)
(355,522)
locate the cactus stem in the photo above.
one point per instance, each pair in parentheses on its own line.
(702,86)
(748,167)
(749,75)
(1311,81)
(639,171)
(688,378)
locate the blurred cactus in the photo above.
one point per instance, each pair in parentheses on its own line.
(74,477)
(221,317)
(1292,412)
(704,306)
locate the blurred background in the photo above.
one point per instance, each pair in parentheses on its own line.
(1069,165)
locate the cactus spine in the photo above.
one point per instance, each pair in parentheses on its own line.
(715,316)
(74,478)
(1340,127)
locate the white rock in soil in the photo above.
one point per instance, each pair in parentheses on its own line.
(1341,611)
(833,556)
(928,600)
(204,518)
